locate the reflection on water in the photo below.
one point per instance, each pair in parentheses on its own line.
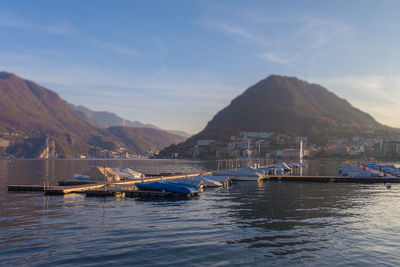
(248,223)
(40,171)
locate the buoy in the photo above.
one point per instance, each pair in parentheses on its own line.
(388,186)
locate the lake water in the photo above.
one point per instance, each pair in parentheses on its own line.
(248,223)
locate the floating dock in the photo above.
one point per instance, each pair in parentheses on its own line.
(71,182)
(127,188)
(101,188)
(62,190)
(331,179)
(135,193)
(29,188)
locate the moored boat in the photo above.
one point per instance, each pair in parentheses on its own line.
(243,174)
(168,186)
(204,181)
(81,177)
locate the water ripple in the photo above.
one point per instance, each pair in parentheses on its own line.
(268,223)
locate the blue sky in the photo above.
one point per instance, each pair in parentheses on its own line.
(176,63)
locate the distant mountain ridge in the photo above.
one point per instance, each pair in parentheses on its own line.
(145,140)
(36,123)
(105,119)
(288,105)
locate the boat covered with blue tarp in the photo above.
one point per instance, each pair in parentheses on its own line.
(168,186)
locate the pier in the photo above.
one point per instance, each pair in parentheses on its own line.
(30,188)
(134,193)
(128,189)
(103,188)
(331,179)
(62,190)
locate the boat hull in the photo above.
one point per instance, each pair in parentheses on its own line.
(245,178)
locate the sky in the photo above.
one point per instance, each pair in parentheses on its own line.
(175,64)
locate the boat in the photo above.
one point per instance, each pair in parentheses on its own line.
(128,174)
(243,174)
(78,179)
(81,177)
(366,172)
(363,174)
(203,181)
(271,170)
(224,180)
(168,186)
(283,166)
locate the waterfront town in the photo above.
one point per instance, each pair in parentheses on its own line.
(276,145)
(271,145)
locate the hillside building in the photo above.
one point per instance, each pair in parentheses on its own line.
(387,149)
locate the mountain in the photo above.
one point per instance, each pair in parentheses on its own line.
(180,133)
(287,105)
(105,119)
(145,140)
(36,123)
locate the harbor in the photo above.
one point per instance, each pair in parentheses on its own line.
(115,184)
(236,221)
(118,188)
(199,133)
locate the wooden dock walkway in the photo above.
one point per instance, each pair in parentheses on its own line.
(127,188)
(135,193)
(72,182)
(62,190)
(30,188)
(69,188)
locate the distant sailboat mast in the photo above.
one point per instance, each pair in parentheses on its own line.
(301,157)
(248,148)
(301,152)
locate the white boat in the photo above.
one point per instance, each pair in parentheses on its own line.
(357,172)
(98,173)
(81,177)
(271,170)
(283,165)
(225,180)
(128,174)
(203,181)
(243,174)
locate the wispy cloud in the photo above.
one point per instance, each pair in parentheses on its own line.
(63,28)
(13,21)
(317,32)
(305,36)
(240,33)
(275,58)
(15,56)
(378,95)
(111,47)
(237,31)
(60,28)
